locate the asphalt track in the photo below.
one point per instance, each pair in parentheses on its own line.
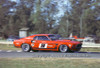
(42,54)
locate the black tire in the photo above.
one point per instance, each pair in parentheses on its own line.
(71,51)
(74,51)
(63,48)
(26,47)
(35,50)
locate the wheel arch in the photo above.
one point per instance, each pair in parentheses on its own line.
(25,43)
(63,44)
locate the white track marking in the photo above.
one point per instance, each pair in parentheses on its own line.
(0,50)
(9,50)
(31,51)
(19,51)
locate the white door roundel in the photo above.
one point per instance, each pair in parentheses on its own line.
(41,45)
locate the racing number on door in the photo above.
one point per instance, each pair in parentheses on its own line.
(41,45)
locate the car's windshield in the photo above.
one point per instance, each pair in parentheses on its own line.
(54,37)
(72,39)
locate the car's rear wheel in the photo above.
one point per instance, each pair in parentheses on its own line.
(63,48)
(26,47)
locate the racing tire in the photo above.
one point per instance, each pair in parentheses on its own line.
(71,51)
(35,50)
(63,48)
(26,47)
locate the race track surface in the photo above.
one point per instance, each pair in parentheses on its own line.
(42,54)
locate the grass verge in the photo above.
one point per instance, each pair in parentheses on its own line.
(90,49)
(8,47)
(49,63)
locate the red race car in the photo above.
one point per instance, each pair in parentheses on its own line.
(50,42)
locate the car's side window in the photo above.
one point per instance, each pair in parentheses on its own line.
(42,38)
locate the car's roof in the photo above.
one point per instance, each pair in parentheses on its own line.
(42,34)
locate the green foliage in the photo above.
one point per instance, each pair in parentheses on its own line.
(5,7)
(38,16)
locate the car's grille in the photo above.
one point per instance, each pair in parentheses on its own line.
(79,46)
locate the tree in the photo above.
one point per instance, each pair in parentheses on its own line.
(5,7)
(65,23)
(82,14)
(43,17)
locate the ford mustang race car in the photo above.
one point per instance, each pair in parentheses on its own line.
(49,42)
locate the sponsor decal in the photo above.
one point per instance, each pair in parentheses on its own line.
(50,45)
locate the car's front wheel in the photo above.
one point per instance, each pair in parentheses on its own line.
(26,47)
(63,48)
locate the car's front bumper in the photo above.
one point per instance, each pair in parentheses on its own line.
(76,47)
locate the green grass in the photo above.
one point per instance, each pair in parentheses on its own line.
(8,47)
(3,40)
(49,63)
(90,49)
